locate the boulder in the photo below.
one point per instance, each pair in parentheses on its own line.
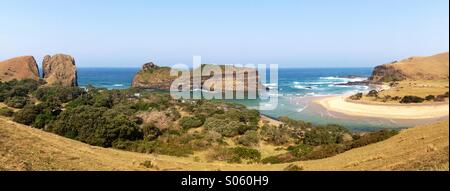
(60,69)
(24,67)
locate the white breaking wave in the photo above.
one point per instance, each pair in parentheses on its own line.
(301,109)
(357,79)
(271,85)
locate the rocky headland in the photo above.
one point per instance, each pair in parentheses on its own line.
(59,69)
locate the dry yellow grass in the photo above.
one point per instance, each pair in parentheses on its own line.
(25,148)
(427,67)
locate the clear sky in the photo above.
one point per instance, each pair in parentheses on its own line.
(297,33)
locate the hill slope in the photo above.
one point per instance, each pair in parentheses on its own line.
(415,68)
(25,148)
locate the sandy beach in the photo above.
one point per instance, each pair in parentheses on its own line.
(339,104)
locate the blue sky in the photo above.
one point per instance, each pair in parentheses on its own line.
(297,33)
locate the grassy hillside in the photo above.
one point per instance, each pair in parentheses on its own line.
(25,148)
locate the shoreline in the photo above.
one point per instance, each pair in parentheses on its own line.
(339,104)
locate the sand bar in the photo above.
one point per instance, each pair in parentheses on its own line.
(339,104)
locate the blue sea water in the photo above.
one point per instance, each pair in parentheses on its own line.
(110,78)
(296,88)
(292,81)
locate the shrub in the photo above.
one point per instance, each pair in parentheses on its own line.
(191,122)
(293,167)
(240,153)
(373,93)
(329,134)
(95,125)
(297,124)
(412,99)
(275,135)
(250,138)
(18,88)
(151,132)
(372,137)
(226,127)
(430,98)
(386,98)
(325,151)
(440,98)
(236,155)
(26,115)
(142,106)
(17,101)
(300,150)
(61,94)
(282,158)
(4,111)
(357,96)
(173,149)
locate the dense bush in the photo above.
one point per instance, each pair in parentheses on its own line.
(95,125)
(250,138)
(298,124)
(372,137)
(18,88)
(226,127)
(236,155)
(430,97)
(191,122)
(275,135)
(4,111)
(151,132)
(322,135)
(324,151)
(58,93)
(48,111)
(240,153)
(17,101)
(357,96)
(373,93)
(412,99)
(26,115)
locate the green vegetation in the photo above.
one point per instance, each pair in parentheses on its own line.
(357,96)
(152,123)
(412,99)
(6,112)
(191,122)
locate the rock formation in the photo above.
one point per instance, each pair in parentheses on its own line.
(60,69)
(415,68)
(152,76)
(24,67)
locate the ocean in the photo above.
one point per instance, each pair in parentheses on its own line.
(296,88)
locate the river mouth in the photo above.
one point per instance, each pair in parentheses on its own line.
(306,109)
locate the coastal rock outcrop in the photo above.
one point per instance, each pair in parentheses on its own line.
(19,68)
(434,67)
(155,77)
(60,69)
(152,76)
